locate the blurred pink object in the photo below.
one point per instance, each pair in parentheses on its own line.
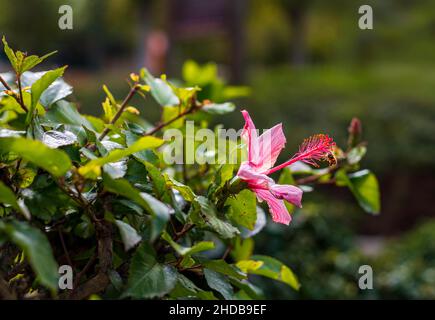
(157,45)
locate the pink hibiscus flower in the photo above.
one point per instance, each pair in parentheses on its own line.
(262,154)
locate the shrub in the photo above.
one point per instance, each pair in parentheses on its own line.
(95,196)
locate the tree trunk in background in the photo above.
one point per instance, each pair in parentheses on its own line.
(298,15)
(236,35)
(142,32)
(96,35)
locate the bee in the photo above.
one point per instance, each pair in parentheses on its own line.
(332,160)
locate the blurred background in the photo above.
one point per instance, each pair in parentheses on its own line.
(310,67)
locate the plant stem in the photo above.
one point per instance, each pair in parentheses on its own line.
(20,91)
(186,229)
(127,99)
(62,240)
(167,123)
(4,83)
(19,100)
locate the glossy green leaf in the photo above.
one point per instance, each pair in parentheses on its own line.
(364,186)
(10,54)
(206,217)
(161,91)
(93,168)
(271,268)
(356,154)
(20,62)
(185,288)
(55,139)
(58,90)
(223,267)
(30,62)
(36,248)
(40,85)
(129,235)
(147,277)
(219,282)
(185,191)
(219,108)
(243,208)
(242,249)
(66,113)
(156,208)
(54,161)
(7,196)
(188,251)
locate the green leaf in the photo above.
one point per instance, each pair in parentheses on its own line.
(66,113)
(20,62)
(271,268)
(171,112)
(248,289)
(188,251)
(7,196)
(58,90)
(161,91)
(222,267)
(185,288)
(93,168)
(159,182)
(148,278)
(109,96)
(156,208)
(6,133)
(219,108)
(364,186)
(129,235)
(206,217)
(356,154)
(10,54)
(243,208)
(54,161)
(36,248)
(32,61)
(144,155)
(185,191)
(219,282)
(40,85)
(55,139)
(243,249)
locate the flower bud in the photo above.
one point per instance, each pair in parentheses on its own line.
(355,132)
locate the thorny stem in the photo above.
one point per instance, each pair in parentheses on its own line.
(124,104)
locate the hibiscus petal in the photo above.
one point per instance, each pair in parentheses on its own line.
(252,177)
(271,142)
(276,207)
(287,192)
(250,136)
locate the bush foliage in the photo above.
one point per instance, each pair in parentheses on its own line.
(93,193)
